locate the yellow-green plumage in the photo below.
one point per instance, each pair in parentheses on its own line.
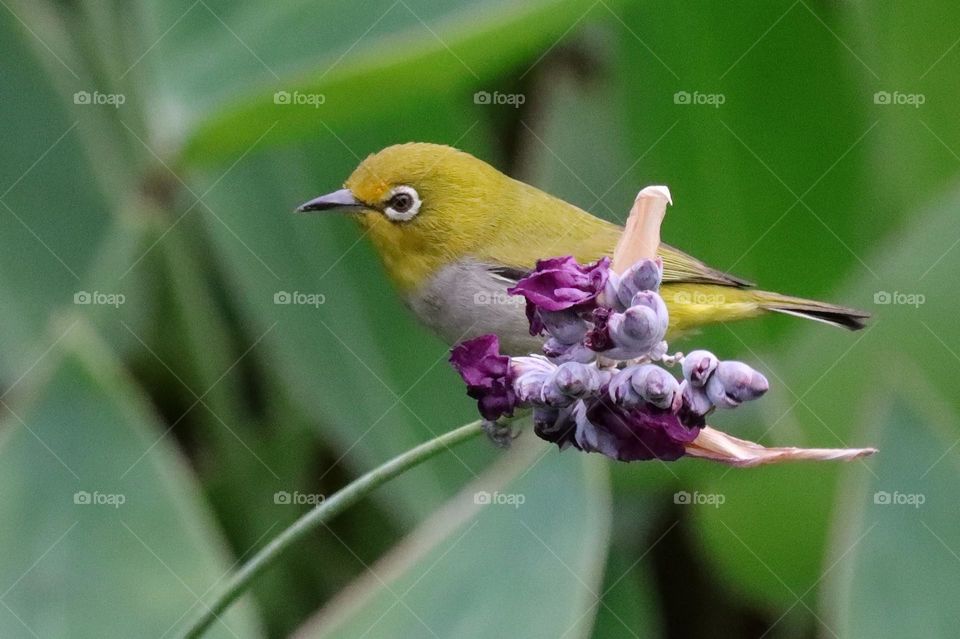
(472,213)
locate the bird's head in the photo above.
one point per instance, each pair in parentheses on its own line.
(423,206)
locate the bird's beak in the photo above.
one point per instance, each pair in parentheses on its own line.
(342,200)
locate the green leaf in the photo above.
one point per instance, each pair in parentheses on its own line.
(367,60)
(897,542)
(137,556)
(52,217)
(630,606)
(511,569)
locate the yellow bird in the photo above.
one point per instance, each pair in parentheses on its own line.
(454,233)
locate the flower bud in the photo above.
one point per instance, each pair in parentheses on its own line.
(621,389)
(551,395)
(695,400)
(560,353)
(636,331)
(645,275)
(555,425)
(698,366)
(577,380)
(610,292)
(653,301)
(734,383)
(529,375)
(567,327)
(656,386)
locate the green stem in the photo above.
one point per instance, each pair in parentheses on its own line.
(340,501)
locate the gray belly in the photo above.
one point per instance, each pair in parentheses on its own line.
(465,300)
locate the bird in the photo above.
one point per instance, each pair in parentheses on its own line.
(454,233)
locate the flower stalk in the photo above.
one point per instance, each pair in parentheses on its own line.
(349,495)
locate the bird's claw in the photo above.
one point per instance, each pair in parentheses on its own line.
(500,433)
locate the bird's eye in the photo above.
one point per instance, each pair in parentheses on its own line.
(403,204)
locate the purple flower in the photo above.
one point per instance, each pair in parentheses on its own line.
(598,338)
(487,374)
(561,283)
(635,434)
(555,425)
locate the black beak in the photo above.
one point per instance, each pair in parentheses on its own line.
(342,199)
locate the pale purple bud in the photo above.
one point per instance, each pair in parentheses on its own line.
(698,366)
(695,400)
(645,275)
(529,375)
(559,352)
(621,389)
(610,292)
(577,380)
(551,395)
(656,386)
(653,301)
(734,383)
(566,326)
(635,332)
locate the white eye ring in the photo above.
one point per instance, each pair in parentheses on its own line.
(403,204)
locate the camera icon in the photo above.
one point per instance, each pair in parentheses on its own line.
(481,298)
(682,497)
(81,97)
(281,97)
(482,498)
(683,297)
(882,97)
(482,97)
(281,497)
(81,497)
(282,297)
(681,97)
(82,297)
(882,297)
(881,497)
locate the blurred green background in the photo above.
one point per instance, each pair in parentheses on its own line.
(163,417)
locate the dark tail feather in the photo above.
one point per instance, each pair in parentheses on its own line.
(849,318)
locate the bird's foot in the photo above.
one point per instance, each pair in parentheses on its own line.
(500,433)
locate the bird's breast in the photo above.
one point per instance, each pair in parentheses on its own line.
(465,299)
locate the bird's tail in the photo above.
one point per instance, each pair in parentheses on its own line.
(849,318)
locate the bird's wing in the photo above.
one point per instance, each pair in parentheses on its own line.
(508,274)
(678,267)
